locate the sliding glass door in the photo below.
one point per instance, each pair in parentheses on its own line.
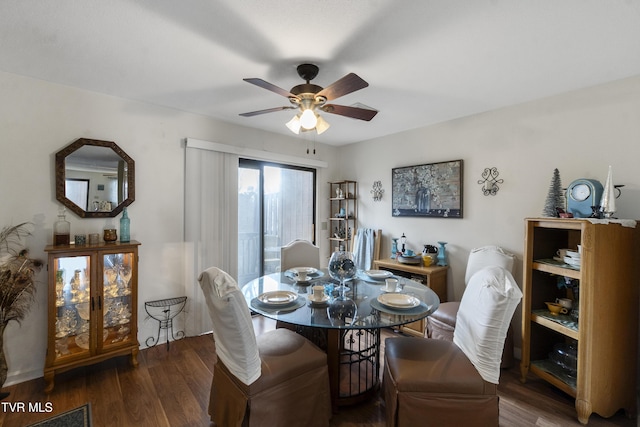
(276,204)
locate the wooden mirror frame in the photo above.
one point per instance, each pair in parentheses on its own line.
(61,177)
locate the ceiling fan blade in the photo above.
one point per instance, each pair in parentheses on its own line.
(353,112)
(349,83)
(268,110)
(269,86)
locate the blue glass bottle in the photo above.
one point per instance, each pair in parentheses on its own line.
(125,224)
(442,254)
(394,247)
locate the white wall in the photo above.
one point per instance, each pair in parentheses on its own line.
(580,133)
(37,119)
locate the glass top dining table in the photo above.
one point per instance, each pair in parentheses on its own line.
(350,337)
(374,307)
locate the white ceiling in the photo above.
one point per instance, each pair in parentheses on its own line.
(426,61)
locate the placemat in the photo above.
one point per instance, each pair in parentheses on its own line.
(284,308)
(420,309)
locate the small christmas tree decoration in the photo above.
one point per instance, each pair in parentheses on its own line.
(555,197)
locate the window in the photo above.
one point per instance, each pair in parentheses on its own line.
(276,204)
(77,190)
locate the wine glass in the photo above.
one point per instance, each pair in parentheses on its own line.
(60,287)
(125,274)
(75,282)
(111,275)
(342,310)
(342,267)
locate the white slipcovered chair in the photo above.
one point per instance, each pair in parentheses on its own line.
(299,253)
(278,379)
(441,324)
(431,382)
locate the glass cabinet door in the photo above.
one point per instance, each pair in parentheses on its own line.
(73,314)
(116,298)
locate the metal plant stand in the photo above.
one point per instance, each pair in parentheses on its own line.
(164,311)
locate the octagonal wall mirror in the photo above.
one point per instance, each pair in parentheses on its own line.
(94,178)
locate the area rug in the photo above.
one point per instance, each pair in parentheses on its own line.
(78,417)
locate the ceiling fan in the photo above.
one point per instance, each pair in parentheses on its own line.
(309,98)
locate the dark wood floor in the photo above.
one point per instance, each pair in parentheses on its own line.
(171,388)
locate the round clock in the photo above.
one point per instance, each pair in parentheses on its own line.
(582,194)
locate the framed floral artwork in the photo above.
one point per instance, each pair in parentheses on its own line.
(430,190)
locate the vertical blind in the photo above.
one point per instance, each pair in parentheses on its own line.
(211,224)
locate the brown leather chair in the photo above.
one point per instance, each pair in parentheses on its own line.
(430,382)
(277,379)
(441,324)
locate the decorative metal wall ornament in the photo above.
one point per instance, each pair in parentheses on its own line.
(377,191)
(490,181)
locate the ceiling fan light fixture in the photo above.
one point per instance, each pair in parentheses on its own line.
(308,98)
(322,125)
(308,119)
(294,124)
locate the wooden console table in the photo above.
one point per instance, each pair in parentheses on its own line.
(434,277)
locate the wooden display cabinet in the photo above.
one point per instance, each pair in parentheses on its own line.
(92,305)
(606,330)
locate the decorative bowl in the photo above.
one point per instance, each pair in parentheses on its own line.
(416,259)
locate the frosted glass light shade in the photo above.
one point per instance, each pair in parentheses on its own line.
(294,124)
(308,119)
(322,125)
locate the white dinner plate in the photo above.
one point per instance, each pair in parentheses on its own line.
(572,261)
(277,297)
(378,274)
(398,301)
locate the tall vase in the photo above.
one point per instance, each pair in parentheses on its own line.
(394,247)
(442,254)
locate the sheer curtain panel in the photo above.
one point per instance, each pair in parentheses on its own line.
(211,224)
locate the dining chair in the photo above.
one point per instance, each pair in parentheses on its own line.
(431,382)
(299,253)
(276,379)
(442,323)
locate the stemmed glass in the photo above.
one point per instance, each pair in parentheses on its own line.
(342,310)
(125,274)
(65,325)
(111,280)
(342,267)
(60,287)
(75,282)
